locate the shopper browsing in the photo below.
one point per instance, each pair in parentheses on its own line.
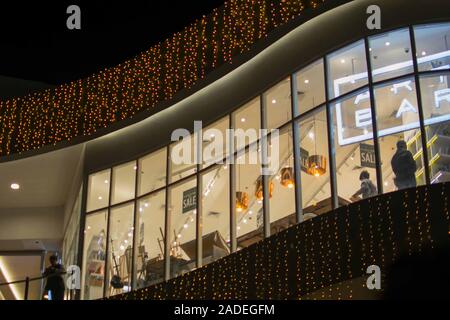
(367,190)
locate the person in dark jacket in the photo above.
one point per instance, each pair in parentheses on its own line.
(404,167)
(55,282)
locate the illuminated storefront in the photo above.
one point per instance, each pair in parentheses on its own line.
(149,220)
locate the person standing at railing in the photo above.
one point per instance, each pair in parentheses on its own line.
(55,282)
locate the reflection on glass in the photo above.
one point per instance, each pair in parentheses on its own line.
(347,69)
(402,160)
(438,145)
(152,171)
(282,182)
(247,120)
(435,98)
(277,102)
(249,209)
(215,202)
(124,182)
(98,190)
(433,46)
(94,256)
(390,54)
(310,87)
(354,149)
(182,229)
(396,106)
(315,175)
(215,142)
(183,159)
(120,249)
(149,251)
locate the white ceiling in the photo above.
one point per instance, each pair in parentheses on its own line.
(45,180)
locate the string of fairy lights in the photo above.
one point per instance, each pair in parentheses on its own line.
(322,258)
(82,107)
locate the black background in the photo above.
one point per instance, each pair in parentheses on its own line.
(35,43)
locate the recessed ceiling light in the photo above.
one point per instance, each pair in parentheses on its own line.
(106,181)
(306,81)
(424,53)
(387,43)
(15,186)
(100,198)
(135,167)
(274,101)
(342,60)
(243,120)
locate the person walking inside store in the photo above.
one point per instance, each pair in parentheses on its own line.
(404,167)
(55,282)
(367,190)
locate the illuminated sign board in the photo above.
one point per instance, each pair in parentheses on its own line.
(363,116)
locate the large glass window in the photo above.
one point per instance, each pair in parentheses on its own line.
(435,97)
(152,171)
(94,256)
(124,182)
(183,158)
(98,190)
(249,209)
(390,54)
(433,46)
(396,106)
(246,123)
(282,183)
(438,145)
(215,139)
(315,172)
(121,228)
(111,196)
(182,228)
(149,251)
(347,69)
(402,160)
(310,87)
(354,148)
(215,219)
(277,102)
(436,111)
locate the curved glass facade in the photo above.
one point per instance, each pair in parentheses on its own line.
(351,125)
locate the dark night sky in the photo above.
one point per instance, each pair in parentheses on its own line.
(36,45)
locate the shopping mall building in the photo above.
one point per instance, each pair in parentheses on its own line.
(97,182)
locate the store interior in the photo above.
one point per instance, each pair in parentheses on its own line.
(112,193)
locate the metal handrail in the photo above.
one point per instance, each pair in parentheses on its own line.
(27,281)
